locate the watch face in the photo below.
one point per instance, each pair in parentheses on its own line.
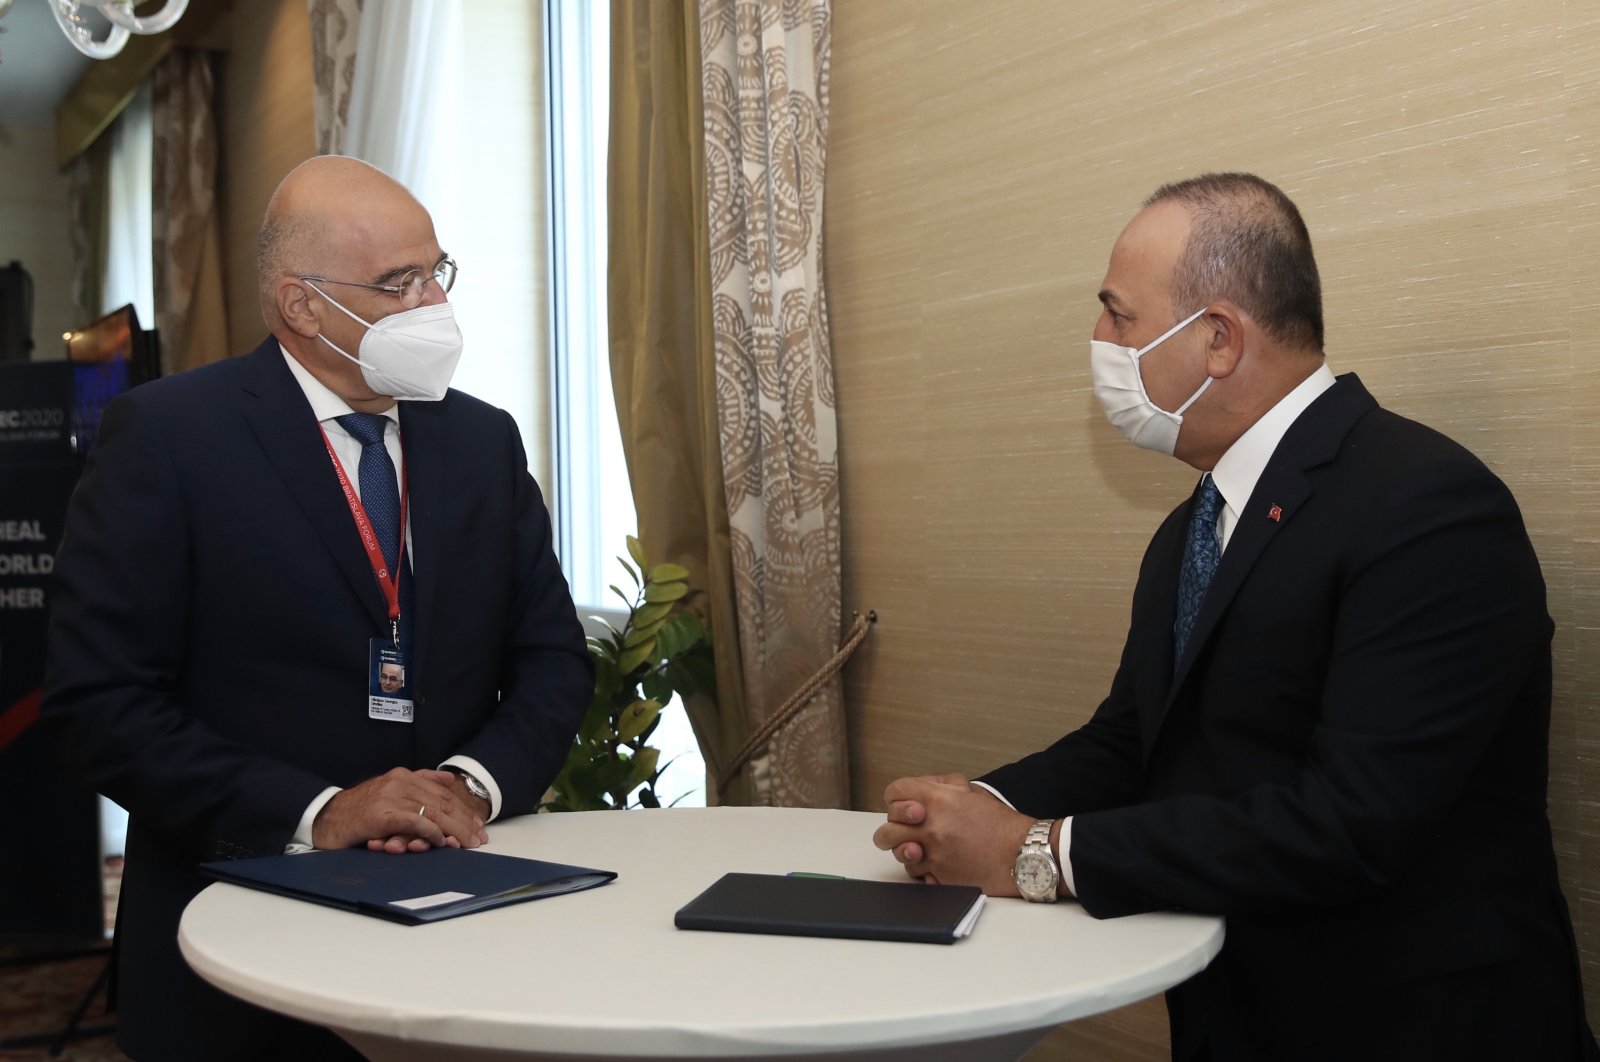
(1035,874)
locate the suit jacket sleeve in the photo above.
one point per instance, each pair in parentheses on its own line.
(1439,653)
(119,629)
(546,676)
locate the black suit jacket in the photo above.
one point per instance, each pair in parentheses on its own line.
(209,640)
(1349,761)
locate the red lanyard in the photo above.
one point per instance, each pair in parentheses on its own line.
(387,580)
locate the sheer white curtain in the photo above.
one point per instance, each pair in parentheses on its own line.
(130,274)
(405,100)
(407,114)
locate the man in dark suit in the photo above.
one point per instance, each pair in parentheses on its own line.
(1331,716)
(218,519)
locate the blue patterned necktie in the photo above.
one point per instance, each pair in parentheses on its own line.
(1201,554)
(380,490)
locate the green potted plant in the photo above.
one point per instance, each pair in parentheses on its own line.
(660,650)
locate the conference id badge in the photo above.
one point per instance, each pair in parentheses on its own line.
(389,681)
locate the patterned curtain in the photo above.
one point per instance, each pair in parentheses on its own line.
(663,364)
(334,31)
(88,199)
(764,68)
(185,227)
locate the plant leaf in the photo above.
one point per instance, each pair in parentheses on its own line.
(656,687)
(629,569)
(639,654)
(636,551)
(692,673)
(646,615)
(582,779)
(612,775)
(596,719)
(679,634)
(644,767)
(606,623)
(606,677)
(626,600)
(664,591)
(693,623)
(607,646)
(668,573)
(640,634)
(636,718)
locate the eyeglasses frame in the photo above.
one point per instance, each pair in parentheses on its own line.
(399,290)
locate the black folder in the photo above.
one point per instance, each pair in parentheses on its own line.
(414,887)
(811,906)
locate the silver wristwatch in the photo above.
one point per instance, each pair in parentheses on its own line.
(475,787)
(1035,870)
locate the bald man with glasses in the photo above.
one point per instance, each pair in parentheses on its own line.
(327,506)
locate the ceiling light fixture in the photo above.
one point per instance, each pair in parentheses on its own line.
(118,12)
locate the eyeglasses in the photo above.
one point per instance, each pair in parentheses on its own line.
(412,286)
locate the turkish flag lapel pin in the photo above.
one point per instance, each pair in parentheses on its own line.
(1275,514)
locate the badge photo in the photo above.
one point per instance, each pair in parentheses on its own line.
(389,681)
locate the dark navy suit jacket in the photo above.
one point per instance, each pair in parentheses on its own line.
(1349,762)
(209,641)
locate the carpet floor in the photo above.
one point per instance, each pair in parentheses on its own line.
(40,994)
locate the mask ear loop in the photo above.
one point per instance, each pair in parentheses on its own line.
(1162,338)
(357,362)
(340,307)
(1193,398)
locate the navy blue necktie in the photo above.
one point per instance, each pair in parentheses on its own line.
(380,489)
(1201,553)
(380,497)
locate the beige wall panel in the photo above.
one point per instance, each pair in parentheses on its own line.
(1575,738)
(983,158)
(268,128)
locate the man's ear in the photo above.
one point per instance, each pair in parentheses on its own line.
(295,300)
(1224,323)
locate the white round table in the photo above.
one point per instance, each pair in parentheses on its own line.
(604,973)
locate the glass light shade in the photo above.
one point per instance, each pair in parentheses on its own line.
(119,13)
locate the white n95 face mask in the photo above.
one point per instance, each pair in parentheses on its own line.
(1120,388)
(409,356)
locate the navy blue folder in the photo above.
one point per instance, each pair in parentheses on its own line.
(413,888)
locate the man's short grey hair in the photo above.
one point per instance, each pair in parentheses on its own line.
(1249,245)
(280,252)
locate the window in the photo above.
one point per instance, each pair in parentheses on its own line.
(130,274)
(596,507)
(593,508)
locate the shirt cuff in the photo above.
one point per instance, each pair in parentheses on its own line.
(1064,857)
(478,771)
(992,791)
(302,834)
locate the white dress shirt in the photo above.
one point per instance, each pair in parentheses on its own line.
(328,407)
(1236,475)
